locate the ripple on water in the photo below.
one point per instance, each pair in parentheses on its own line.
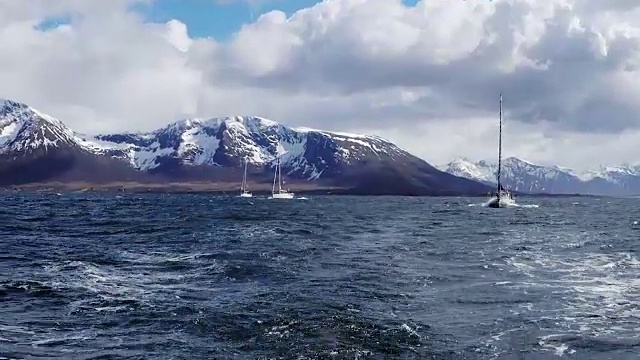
(163,276)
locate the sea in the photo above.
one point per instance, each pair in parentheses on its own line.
(197,276)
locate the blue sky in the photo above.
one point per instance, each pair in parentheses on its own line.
(206,18)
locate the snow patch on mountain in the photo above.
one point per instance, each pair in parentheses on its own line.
(8,132)
(374,143)
(465,168)
(197,147)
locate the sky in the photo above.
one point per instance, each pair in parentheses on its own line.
(424,74)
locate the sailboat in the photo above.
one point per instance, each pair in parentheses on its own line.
(502,197)
(243,187)
(280,193)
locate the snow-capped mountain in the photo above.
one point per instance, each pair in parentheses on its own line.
(35,147)
(24,130)
(624,179)
(524,176)
(481,171)
(304,153)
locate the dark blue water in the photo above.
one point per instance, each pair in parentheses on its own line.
(87,276)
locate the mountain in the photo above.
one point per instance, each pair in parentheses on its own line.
(524,176)
(37,148)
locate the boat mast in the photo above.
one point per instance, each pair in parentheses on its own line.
(279,177)
(275,176)
(500,147)
(244,177)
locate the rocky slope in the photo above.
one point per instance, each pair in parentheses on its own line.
(35,147)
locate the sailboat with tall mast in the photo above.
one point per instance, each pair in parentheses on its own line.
(502,197)
(243,187)
(279,193)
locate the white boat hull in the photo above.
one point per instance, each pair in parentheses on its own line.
(282,195)
(505,200)
(246,195)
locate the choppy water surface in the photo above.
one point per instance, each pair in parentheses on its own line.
(196,276)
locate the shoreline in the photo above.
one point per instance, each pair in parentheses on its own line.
(223,188)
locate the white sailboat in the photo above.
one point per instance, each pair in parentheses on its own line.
(502,197)
(243,187)
(279,193)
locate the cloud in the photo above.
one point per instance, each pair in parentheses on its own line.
(551,62)
(105,70)
(427,76)
(250,2)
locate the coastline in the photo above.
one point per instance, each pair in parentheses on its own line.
(165,187)
(229,188)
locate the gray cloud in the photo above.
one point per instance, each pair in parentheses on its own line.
(560,72)
(609,5)
(428,76)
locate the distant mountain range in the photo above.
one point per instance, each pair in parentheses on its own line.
(524,176)
(38,149)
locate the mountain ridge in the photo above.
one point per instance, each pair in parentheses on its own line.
(527,176)
(35,147)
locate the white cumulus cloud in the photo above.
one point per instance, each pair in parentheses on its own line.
(426,76)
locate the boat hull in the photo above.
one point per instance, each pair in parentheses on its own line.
(505,200)
(246,195)
(282,196)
